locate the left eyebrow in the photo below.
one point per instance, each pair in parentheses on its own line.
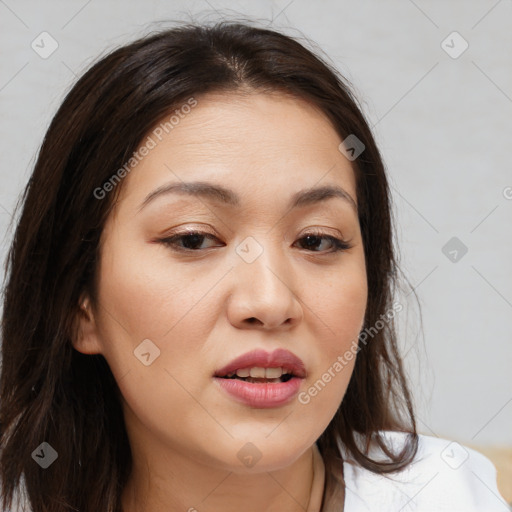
(218,193)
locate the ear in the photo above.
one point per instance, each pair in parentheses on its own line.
(85,338)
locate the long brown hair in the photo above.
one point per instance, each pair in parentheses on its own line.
(52,393)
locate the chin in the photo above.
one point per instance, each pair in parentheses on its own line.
(258,452)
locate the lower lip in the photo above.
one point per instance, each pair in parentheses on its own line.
(261,395)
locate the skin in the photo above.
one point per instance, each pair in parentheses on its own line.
(185,432)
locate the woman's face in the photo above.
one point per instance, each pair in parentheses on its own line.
(175,309)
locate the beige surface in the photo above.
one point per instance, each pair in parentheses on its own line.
(502,459)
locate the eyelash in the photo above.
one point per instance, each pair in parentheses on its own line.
(339,245)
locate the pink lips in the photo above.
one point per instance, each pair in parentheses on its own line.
(263,395)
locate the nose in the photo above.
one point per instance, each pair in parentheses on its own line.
(263,293)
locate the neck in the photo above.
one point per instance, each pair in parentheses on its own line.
(178,484)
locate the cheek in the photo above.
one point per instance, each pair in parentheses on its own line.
(152,298)
(339,301)
(170,307)
(338,309)
(167,306)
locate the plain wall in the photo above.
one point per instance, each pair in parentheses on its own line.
(444,126)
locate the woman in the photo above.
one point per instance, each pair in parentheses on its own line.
(145,370)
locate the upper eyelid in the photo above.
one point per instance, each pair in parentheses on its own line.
(193,231)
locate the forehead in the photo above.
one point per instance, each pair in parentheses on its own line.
(258,123)
(266,142)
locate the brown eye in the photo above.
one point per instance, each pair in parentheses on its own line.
(188,241)
(193,241)
(314,240)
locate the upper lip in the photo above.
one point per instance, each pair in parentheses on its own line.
(279,358)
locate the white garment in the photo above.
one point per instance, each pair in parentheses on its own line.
(444,477)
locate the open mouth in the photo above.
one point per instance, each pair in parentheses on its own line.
(262,380)
(259,375)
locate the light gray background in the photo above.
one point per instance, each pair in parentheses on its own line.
(444,126)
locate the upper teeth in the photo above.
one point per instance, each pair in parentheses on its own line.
(260,373)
